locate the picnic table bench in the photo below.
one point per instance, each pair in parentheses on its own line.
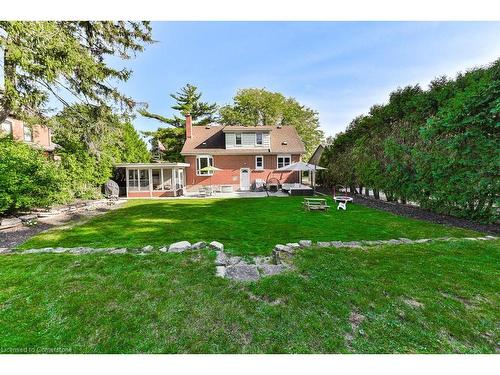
(315,204)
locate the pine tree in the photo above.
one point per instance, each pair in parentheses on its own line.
(188,101)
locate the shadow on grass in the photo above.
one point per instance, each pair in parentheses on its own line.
(246,226)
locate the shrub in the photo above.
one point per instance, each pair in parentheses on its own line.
(27,178)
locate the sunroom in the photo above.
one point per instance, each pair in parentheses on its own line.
(148,180)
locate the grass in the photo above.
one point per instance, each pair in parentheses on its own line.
(244,226)
(426,298)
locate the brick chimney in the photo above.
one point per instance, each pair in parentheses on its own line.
(189,126)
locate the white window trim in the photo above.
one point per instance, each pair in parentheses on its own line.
(236,139)
(256,166)
(198,157)
(9,124)
(283,156)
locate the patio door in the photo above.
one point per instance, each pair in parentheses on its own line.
(245,179)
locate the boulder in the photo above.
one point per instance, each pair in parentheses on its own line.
(336,244)
(5,250)
(163,249)
(242,273)
(179,247)
(405,240)
(9,223)
(293,245)
(111,189)
(233,260)
(147,249)
(305,243)
(217,246)
(423,240)
(199,245)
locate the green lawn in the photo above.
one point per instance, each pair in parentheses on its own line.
(173,303)
(244,226)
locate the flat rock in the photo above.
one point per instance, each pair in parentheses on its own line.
(221,259)
(217,245)
(118,251)
(163,249)
(293,245)
(405,240)
(423,240)
(323,244)
(336,244)
(5,250)
(242,273)
(199,245)
(234,260)
(28,217)
(351,244)
(179,247)
(262,260)
(147,249)
(393,242)
(371,243)
(284,248)
(220,271)
(9,223)
(271,269)
(305,243)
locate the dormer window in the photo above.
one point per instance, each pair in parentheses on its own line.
(258,139)
(238,139)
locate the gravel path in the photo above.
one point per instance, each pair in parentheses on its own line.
(13,237)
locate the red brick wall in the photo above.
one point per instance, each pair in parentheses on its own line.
(145,194)
(41,134)
(230,174)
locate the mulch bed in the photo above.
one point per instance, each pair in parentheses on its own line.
(422,214)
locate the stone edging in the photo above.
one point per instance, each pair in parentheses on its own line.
(235,267)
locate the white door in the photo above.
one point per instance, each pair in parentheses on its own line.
(245,179)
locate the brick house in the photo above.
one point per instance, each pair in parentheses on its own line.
(37,136)
(247,157)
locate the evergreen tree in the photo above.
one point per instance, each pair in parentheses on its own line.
(66,61)
(188,101)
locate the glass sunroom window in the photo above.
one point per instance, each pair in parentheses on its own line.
(133,180)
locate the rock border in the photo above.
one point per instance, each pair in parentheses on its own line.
(238,268)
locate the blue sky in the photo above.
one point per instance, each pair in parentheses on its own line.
(340,69)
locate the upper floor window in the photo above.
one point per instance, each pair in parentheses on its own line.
(203,162)
(28,134)
(238,138)
(258,139)
(7,127)
(259,162)
(284,160)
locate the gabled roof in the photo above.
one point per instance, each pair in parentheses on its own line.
(211,140)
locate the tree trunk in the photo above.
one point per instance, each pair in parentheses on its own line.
(376,194)
(403,200)
(367,191)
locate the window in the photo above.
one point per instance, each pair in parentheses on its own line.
(202,162)
(238,139)
(258,139)
(138,180)
(156,177)
(133,180)
(167,179)
(6,127)
(28,135)
(259,162)
(144,179)
(284,160)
